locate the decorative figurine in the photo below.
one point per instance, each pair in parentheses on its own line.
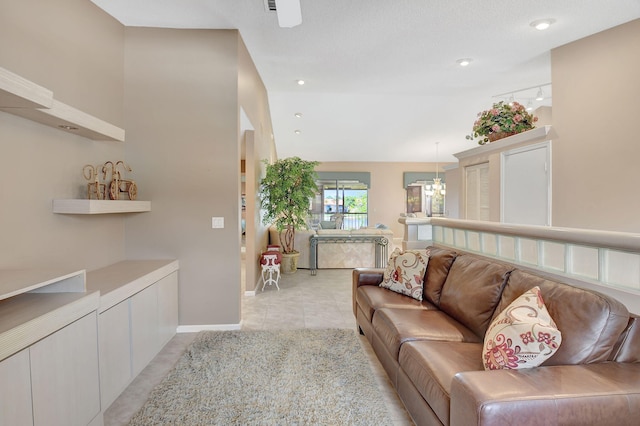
(118,184)
(94,187)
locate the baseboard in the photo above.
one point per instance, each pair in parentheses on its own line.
(250,293)
(207,327)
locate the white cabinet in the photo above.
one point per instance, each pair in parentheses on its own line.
(115,352)
(15,388)
(48,349)
(138,315)
(67,349)
(481,171)
(153,320)
(167,308)
(65,376)
(144,327)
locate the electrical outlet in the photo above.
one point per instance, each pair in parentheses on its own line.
(217,222)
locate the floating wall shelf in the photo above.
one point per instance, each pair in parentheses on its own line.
(18,92)
(21,97)
(100,206)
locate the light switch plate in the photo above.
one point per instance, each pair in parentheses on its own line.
(217,222)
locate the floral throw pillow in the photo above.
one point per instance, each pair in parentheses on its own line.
(405,272)
(522,336)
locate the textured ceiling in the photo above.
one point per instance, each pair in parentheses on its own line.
(382,83)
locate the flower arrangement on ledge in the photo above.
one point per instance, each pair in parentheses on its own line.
(502,120)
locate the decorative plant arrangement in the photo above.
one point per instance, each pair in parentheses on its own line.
(284,196)
(502,120)
(117,185)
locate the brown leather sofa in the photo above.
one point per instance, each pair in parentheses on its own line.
(432,349)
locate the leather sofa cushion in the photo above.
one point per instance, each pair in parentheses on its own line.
(627,348)
(370,298)
(590,322)
(472,291)
(440,261)
(590,394)
(396,326)
(431,366)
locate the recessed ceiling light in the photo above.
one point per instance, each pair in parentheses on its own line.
(542,24)
(464,62)
(297,132)
(298,115)
(300,82)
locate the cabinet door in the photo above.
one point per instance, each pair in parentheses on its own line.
(167,307)
(15,390)
(477,192)
(115,352)
(144,328)
(526,185)
(65,376)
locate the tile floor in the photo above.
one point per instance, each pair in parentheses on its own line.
(303,301)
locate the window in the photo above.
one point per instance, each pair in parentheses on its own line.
(345,200)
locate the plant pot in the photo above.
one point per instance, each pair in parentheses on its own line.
(289,263)
(499,135)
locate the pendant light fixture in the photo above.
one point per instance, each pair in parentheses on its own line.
(437,191)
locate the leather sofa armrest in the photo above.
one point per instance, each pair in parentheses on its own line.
(590,394)
(367,276)
(364,276)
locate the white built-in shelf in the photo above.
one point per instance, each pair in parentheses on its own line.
(508,142)
(26,99)
(122,280)
(100,206)
(38,302)
(30,317)
(18,281)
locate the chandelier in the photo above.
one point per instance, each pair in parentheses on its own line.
(437,191)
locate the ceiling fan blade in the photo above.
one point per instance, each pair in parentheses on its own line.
(289,13)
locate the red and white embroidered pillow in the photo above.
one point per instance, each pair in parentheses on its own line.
(405,272)
(522,336)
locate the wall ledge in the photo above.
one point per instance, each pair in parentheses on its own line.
(502,144)
(590,237)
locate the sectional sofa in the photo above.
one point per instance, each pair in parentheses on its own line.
(435,350)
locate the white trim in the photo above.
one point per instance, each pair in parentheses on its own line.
(207,327)
(250,293)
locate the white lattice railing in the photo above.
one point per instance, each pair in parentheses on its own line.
(605,261)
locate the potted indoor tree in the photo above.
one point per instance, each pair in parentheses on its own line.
(285,192)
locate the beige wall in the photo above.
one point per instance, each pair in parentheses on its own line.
(387,196)
(594,143)
(183,94)
(259,146)
(39,163)
(184,90)
(596,151)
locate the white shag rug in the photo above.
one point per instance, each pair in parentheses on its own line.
(276,377)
